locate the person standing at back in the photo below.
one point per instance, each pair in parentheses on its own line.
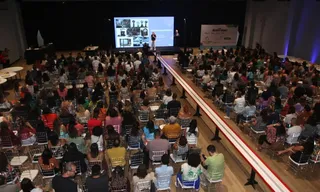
(153,41)
(62,183)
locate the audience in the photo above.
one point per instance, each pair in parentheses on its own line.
(97,182)
(64,182)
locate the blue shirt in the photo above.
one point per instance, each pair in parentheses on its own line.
(149,136)
(163,170)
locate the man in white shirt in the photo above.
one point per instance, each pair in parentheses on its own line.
(293,132)
(95,63)
(139,53)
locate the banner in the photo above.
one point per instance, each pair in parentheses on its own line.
(219,35)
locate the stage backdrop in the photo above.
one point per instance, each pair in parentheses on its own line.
(219,35)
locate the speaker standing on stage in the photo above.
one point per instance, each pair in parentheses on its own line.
(153,41)
(176,38)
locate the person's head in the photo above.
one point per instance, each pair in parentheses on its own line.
(3,162)
(96,170)
(124,83)
(211,149)
(69,170)
(168,92)
(150,84)
(145,102)
(312,120)
(183,141)
(72,148)
(156,133)
(174,96)
(172,120)
(307,108)
(2,180)
(113,112)
(194,160)
(150,126)
(72,131)
(165,159)
(46,156)
(97,131)
(291,110)
(26,185)
(116,143)
(293,121)
(142,171)
(94,150)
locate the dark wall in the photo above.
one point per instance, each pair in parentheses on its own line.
(74,25)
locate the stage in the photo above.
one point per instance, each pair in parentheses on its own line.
(162,50)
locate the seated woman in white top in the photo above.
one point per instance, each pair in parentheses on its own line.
(240,103)
(192,133)
(96,137)
(167,97)
(142,175)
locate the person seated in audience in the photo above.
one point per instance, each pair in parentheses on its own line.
(163,171)
(121,76)
(249,111)
(141,176)
(6,170)
(113,93)
(155,75)
(213,165)
(167,97)
(145,105)
(4,104)
(173,104)
(260,123)
(97,182)
(48,117)
(239,105)
(74,155)
(171,130)
(293,131)
(315,156)
(124,90)
(94,121)
(64,182)
(205,79)
(151,91)
(75,138)
(27,133)
(310,128)
(180,148)
(283,89)
(135,138)
(300,153)
(94,154)
(111,136)
(117,152)
(48,162)
(149,130)
(82,114)
(184,112)
(288,105)
(119,181)
(190,171)
(304,115)
(7,187)
(6,133)
(97,137)
(158,144)
(113,118)
(228,100)
(54,141)
(217,90)
(27,186)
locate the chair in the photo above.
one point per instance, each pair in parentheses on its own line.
(117,128)
(164,181)
(255,134)
(298,167)
(46,174)
(133,143)
(65,120)
(186,184)
(178,158)
(42,138)
(92,163)
(15,159)
(174,111)
(212,184)
(144,186)
(30,174)
(160,115)
(6,142)
(184,123)
(315,161)
(156,157)
(58,152)
(143,116)
(135,160)
(35,153)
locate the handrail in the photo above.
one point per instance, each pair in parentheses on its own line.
(271,179)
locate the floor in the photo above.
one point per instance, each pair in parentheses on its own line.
(237,170)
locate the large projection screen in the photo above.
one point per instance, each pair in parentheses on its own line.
(135,31)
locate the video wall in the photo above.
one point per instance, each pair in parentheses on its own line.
(135,31)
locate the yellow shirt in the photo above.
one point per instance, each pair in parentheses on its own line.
(172,131)
(117,156)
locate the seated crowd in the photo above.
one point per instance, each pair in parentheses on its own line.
(98,124)
(275,99)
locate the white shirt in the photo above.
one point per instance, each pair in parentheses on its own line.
(137,64)
(166,99)
(206,79)
(128,67)
(287,119)
(192,138)
(240,105)
(95,65)
(98,140)
(293,131)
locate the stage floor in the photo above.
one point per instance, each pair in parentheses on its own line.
(162,50)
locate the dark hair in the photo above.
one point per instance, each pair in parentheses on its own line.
(307,108)
(291,110)
(312,120)
(193,126)
(3,162)
(211,148)
(73,132)
(142,171)
(61,86)
(183,141)
(168,92)
(116,142)
(124,83)
(72,147)
(4,128)
(156,132)
(96,169)
(145,102)
(97,131)
(117,172)
(150,126)
(46,156)
(264,115)
(2,180)
(26,185)
(194,159)
(165,159)
(94,150)
(113,113)
(53,138)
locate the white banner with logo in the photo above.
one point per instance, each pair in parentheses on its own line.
(219,35)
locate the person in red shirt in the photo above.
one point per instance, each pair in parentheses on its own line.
(27,134)
(48,117)
(94,121)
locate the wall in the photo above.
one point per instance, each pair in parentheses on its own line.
(12,32)
(286,27)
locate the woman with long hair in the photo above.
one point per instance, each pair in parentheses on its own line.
(97,138)
(27,133)
(94,154)
(74,137)
(47,161)
(119,181)
(27,186)
(149,130)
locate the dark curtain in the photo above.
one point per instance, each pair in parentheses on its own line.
(74,25)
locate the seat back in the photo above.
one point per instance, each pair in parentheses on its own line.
(117,128)
(156,155)
(164,181)
(134,142)
(160,114)
(174,112)
(143,116)
(92,163)
(6,142)
(42,138)
(65,120)
(128,129)
(35,153)
(184,123)
(144,186)
(136,159)
(57,152)
(47,173)
(78,167)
